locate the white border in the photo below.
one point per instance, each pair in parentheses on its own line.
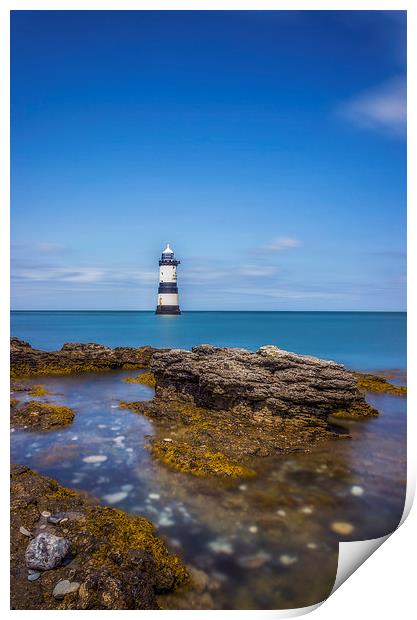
(364,595)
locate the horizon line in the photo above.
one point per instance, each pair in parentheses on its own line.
(188,311)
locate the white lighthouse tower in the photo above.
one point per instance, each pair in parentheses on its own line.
(168,290)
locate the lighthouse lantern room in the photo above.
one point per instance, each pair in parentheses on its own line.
(168,289)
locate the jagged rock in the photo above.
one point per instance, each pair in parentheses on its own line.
(271,379)
(74,357)
(46,551)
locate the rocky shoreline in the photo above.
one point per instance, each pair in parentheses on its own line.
(216,413)
(73,357)
(106,559)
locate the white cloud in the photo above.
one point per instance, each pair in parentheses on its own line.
(383,108)
(85,275)
(280,244)
(258,272)
(49,247)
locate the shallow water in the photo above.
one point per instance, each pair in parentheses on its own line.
(266,542)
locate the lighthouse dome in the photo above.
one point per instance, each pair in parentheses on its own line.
(167,250)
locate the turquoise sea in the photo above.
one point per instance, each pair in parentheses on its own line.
(361,340)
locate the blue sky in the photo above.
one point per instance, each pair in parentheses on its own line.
(268,148)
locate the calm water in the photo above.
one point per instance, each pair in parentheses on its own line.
(260,541)
(362,340)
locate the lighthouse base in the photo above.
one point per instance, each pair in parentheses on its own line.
(168,310)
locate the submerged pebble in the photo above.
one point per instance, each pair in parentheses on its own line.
(24,531)
(165,521)
(95,458)
(154,496)
(253,529)
(254,561)
(306,510)
(357,490)
(342,527)
(281,513)
(113,498)
(221,546)
(242,487)
(45,513)
(287,560)
(311,545)
(33,575)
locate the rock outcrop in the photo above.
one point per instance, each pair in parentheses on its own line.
(216,409)
(273,380)
(74,357)
(91,557)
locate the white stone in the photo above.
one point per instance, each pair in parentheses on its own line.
(357,490)
(154,496)
(287,560)
(45,513)
(24,531)
(221,546)
(113,498)
(95,458)
(253,529)
(281,513)
(64,587)
(307,510)
(242,487)
(311,545)
(165,521)
(167,439)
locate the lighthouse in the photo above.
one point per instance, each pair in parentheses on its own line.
(168,290)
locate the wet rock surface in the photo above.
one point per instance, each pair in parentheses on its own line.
(94,558)
(74,357)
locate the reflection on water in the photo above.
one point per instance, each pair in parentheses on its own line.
(270,542)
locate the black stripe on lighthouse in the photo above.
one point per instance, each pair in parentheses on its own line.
(167,287)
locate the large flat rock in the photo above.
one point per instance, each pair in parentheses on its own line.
(271,379)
